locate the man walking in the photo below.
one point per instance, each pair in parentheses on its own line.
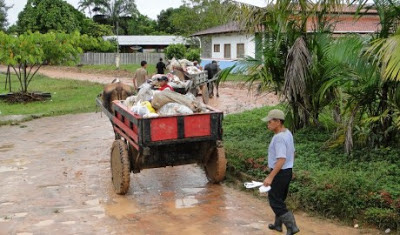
(140,75)
(281,153)
(160,67)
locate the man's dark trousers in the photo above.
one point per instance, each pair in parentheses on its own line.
(279,191)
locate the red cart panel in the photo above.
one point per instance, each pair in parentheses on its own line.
(196,126)
(164,129)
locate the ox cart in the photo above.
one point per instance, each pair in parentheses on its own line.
(143,143)
(198,82)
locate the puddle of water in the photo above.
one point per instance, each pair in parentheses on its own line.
(20,215)
(69,222)
(6,203)
(5,219)
(49,186)
(192,190)
(98,208)
(17,161)
(11,168)
(93,202)
(186,202)
(99,216)
(259,226)
(122,208)
(44,223)
(6,147)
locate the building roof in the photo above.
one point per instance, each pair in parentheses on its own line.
(346,22)
(226,28)
(147,40)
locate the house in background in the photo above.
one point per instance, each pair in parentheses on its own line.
(146,43)
(228,43)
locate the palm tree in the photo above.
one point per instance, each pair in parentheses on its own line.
(288,51)
(110,12)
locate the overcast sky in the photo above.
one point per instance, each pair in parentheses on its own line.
(151,8)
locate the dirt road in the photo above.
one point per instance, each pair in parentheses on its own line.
(55,179)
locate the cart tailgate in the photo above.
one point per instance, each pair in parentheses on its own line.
(183,128)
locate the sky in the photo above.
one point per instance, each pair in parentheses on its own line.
(151,8)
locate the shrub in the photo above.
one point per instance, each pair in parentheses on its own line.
(175,50)
(363,186)
(193,54)
(384,218)
(92,44)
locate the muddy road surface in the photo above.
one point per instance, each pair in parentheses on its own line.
(55,179)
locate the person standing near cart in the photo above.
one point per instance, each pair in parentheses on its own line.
(281,154)
(140,75)
(160,67)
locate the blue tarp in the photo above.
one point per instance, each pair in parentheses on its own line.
(223,64)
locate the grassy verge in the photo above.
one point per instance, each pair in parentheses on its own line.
(68,96)
(364,186)
(130,68)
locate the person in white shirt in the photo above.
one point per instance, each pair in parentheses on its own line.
(281,153)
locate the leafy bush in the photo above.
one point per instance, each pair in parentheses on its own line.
(193,54)
(92,44)
(363,186)
(175,50)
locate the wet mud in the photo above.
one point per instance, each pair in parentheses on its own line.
(55,179)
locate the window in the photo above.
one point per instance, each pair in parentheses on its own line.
(240,50)
(227,50)
(216,48)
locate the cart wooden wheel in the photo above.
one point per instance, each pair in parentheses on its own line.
(215,168)
(120,167)
(204,94)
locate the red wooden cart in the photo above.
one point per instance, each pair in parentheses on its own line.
(143,143)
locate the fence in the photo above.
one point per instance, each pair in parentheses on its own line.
(125,58)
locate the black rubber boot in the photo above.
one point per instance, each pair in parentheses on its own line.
(290,223)
(277,225)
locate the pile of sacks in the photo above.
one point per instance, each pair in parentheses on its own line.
(174,81)
(151,103)
(185,65)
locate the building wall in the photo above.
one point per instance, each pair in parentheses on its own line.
(206,46)
(233,39)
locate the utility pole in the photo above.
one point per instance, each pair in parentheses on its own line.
(117,56)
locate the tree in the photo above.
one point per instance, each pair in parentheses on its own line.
(176,51)
(110,11)
(46,15)
(317,71)
(29,51)
(3,14)
(57,15)
(193,16)
(164,23)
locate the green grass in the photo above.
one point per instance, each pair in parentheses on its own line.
(363,186)
(68,96)
(130,68)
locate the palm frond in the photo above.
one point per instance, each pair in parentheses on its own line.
(298,60)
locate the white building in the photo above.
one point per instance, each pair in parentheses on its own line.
(226,44)
(146,43)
